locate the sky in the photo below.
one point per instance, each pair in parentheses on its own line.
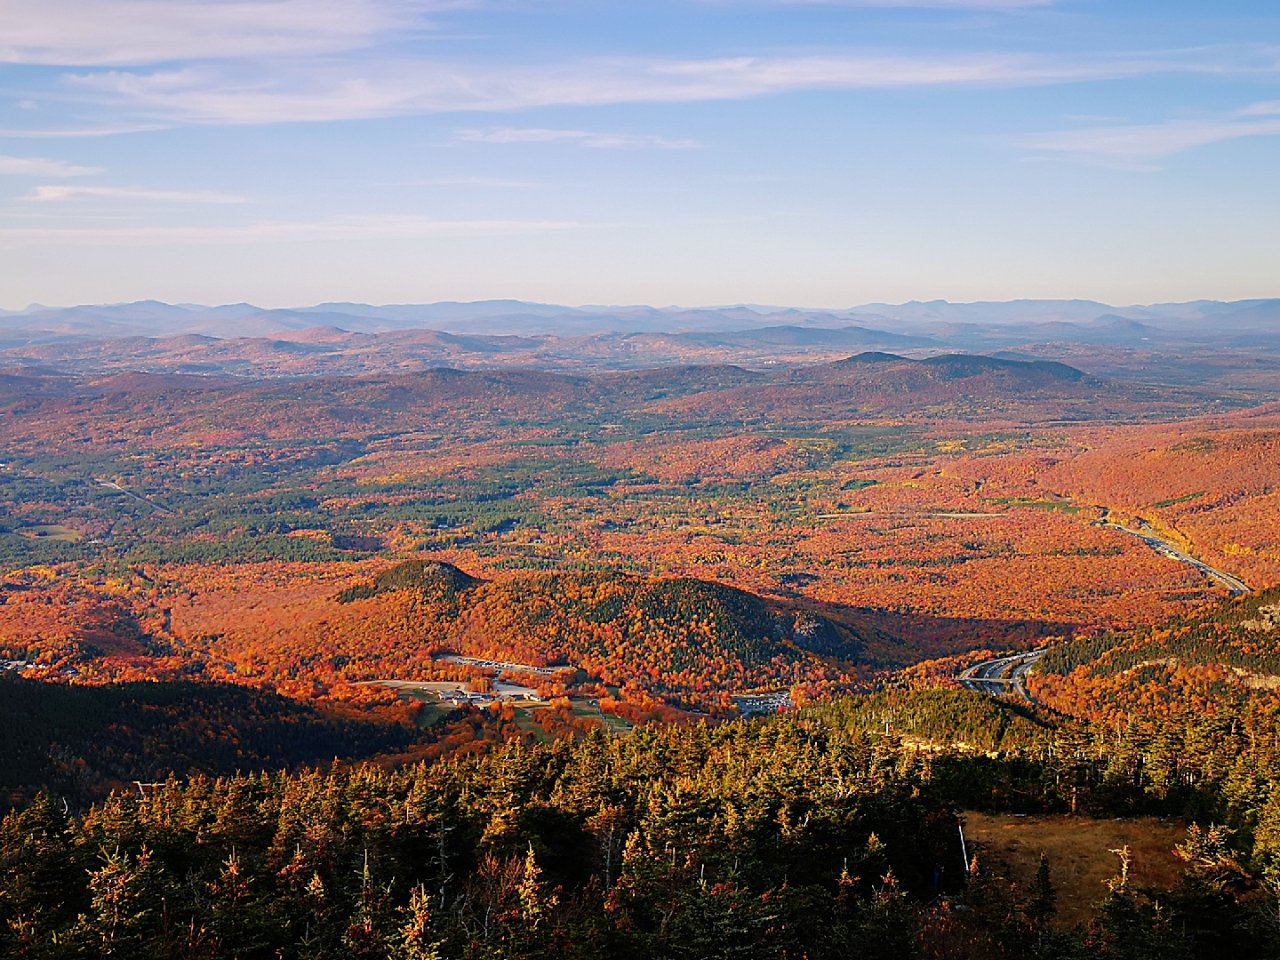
(817,153)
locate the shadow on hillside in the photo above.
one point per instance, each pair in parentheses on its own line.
(898,639)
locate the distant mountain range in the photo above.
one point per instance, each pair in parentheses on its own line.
(933,318)
(355,337)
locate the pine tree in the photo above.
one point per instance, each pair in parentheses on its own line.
(1044,898)
(368,934)
(130,898)
(415,940)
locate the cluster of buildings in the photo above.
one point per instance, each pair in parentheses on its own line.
(501,692)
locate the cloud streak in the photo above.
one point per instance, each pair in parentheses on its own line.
(77,133)
(495,183)
(907,4)
(1140,146)
(343,229)
(131,194)
(42,167)
(582,138)
(315,91)
(123,32)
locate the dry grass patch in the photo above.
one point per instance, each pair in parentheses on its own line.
(1079,852)
(51,531)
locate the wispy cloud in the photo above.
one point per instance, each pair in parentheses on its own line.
(918,4)
(1139,146)
(582,138)
(121,32)
(1268,108)
(42,167)
(76,133)
(325,90)
(132,194)
(344,229)
(496,183)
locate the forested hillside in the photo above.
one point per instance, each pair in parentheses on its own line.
(79,742)
(808,836)
(1224,655)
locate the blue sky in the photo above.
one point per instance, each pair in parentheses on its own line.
(673,151)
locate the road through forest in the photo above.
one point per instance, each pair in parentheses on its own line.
(1003,675)
(1148,536)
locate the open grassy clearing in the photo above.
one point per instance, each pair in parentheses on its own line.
(524,720)
(612,724)
(52,531)
(1079,852)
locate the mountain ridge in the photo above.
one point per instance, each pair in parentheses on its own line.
(497,315)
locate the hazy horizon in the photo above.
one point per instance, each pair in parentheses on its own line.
(763,308)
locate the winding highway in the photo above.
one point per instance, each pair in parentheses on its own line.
(1144,533)
(1002,675)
